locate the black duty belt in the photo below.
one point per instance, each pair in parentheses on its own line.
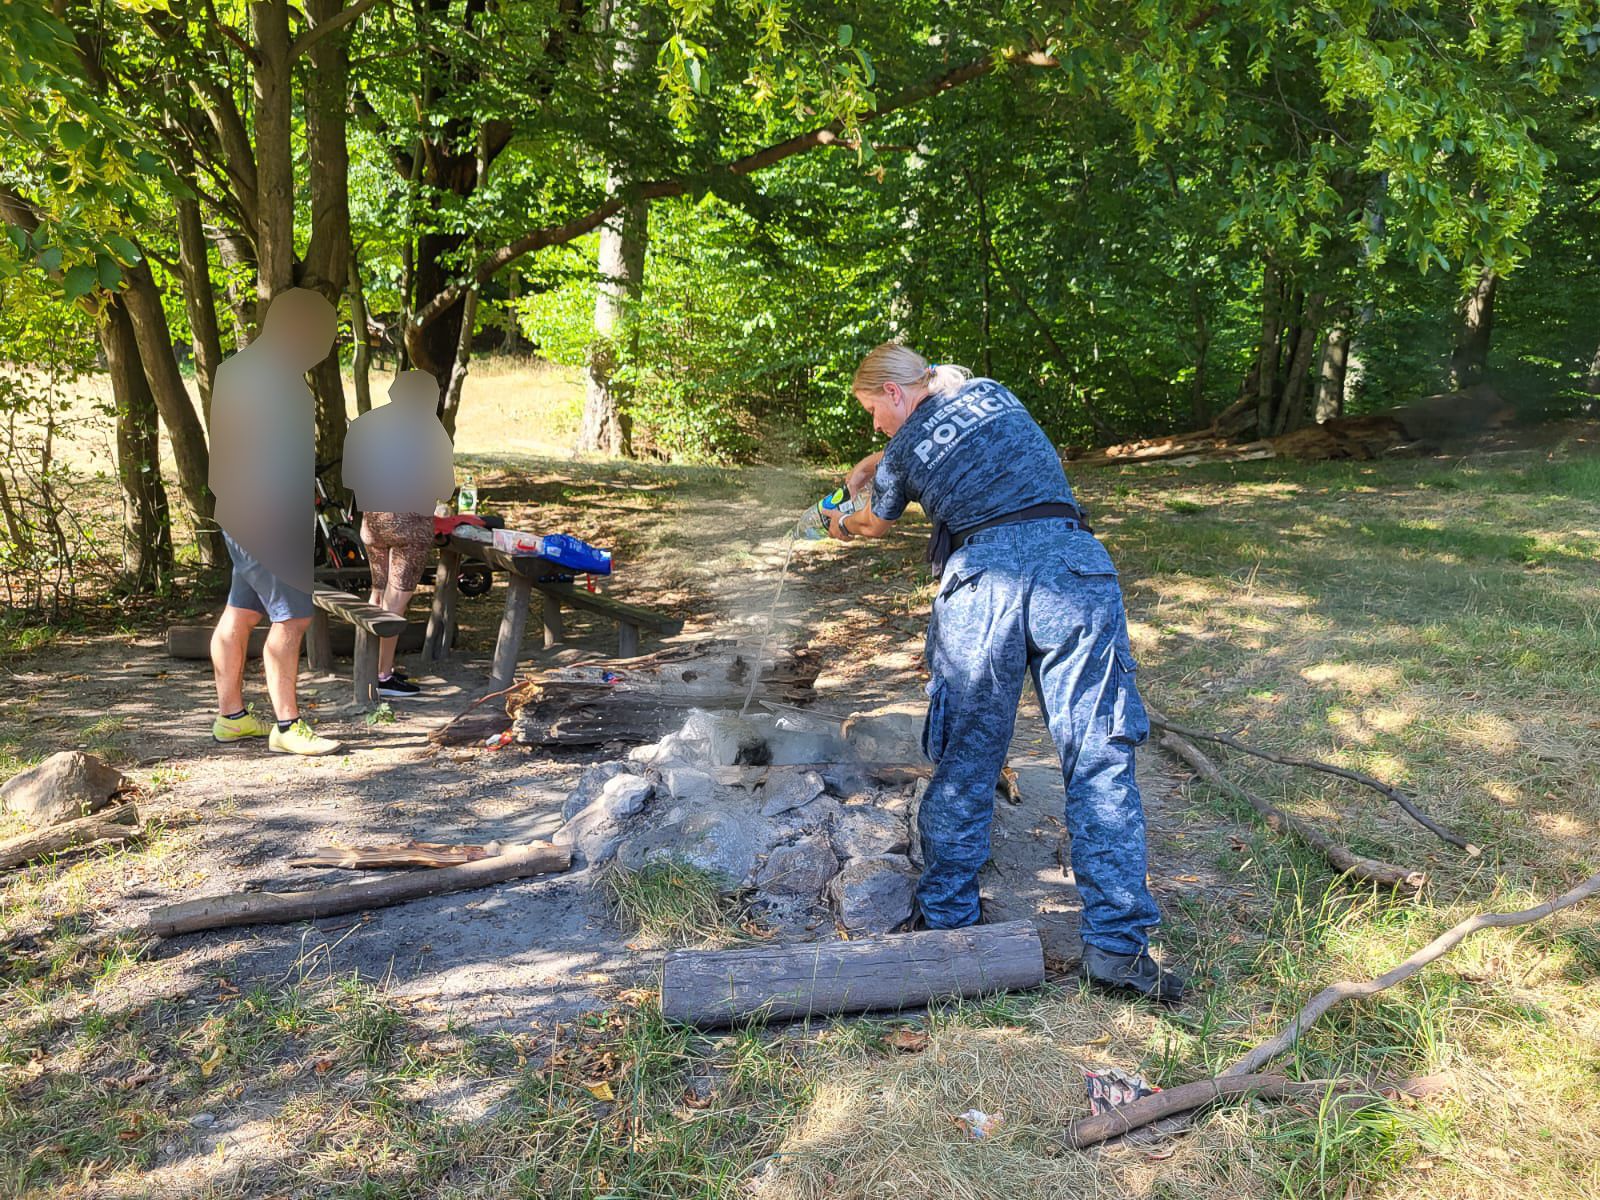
(946,541)
(1032,513)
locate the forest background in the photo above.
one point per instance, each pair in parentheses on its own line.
(1136,215)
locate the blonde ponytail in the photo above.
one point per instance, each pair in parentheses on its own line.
(894,363)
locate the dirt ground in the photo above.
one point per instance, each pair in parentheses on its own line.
(703,544)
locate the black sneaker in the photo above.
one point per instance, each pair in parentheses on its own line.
(396,688)
(1130,973)
(399,672)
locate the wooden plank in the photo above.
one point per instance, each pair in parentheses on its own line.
(442,620)
(319,643)
(889,973)
(574,596)
(513,623)
(358,612)
(194,641)
(397,854)
(117,824)
(554,633)
(276,908)
(627,639)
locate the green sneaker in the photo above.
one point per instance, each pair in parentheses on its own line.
(299,739)
(235,729)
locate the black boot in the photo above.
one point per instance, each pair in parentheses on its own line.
(1130,972)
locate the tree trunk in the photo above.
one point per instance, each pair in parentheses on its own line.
(1470,359)
(327,262)
(146,528)
(623,243)
(274,82)
(1269,349)
(512,343)
(986,333)
(199,299)
(432,347)
(1198,408)
(1329,402)
(457,376)
(1292,408)
(362,362)
(238,257)
(154,337)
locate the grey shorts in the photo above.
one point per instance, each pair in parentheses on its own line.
(259,590)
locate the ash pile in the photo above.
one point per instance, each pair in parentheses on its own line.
(813,819)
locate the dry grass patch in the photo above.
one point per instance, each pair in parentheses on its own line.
(883,1127)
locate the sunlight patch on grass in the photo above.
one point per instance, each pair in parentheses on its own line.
(1353,680)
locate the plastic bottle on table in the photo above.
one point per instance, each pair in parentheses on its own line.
(468,503)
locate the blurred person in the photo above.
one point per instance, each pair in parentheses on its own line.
(263,448)
(398,462)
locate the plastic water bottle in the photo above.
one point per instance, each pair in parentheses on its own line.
(469,497)
(813,526)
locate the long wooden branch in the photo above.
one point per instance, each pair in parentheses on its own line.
(827,135)
(1147,1110)
(269,908)
(1377,785)
(1371,869)
(1441,945)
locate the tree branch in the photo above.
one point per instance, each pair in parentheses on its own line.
(233,35)
(1376,785)
(1147,1110)
(827,135)
(1441,945)
(1371,869)
(316,33)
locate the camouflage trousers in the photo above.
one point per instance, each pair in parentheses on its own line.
(1037,598)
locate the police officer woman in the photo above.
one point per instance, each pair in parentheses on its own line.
(1025,588)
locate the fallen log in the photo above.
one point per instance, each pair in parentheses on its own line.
(1147,1110)
(396,854)
(640,699)
(1340,857)
(119,824)
(898,971)
(276,908)
(1399,798)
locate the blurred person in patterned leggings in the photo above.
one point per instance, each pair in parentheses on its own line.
(397,461)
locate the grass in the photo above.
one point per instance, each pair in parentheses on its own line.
(672,904)
(1432,622)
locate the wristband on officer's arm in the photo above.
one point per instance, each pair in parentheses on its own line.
(844,533)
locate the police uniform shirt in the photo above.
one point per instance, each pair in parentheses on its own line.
(969,458)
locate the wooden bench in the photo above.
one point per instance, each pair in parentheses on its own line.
(525,573)
(371,622)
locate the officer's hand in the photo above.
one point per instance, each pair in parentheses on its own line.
(834,519)
(863,472)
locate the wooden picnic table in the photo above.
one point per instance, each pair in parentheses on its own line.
(525,574)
